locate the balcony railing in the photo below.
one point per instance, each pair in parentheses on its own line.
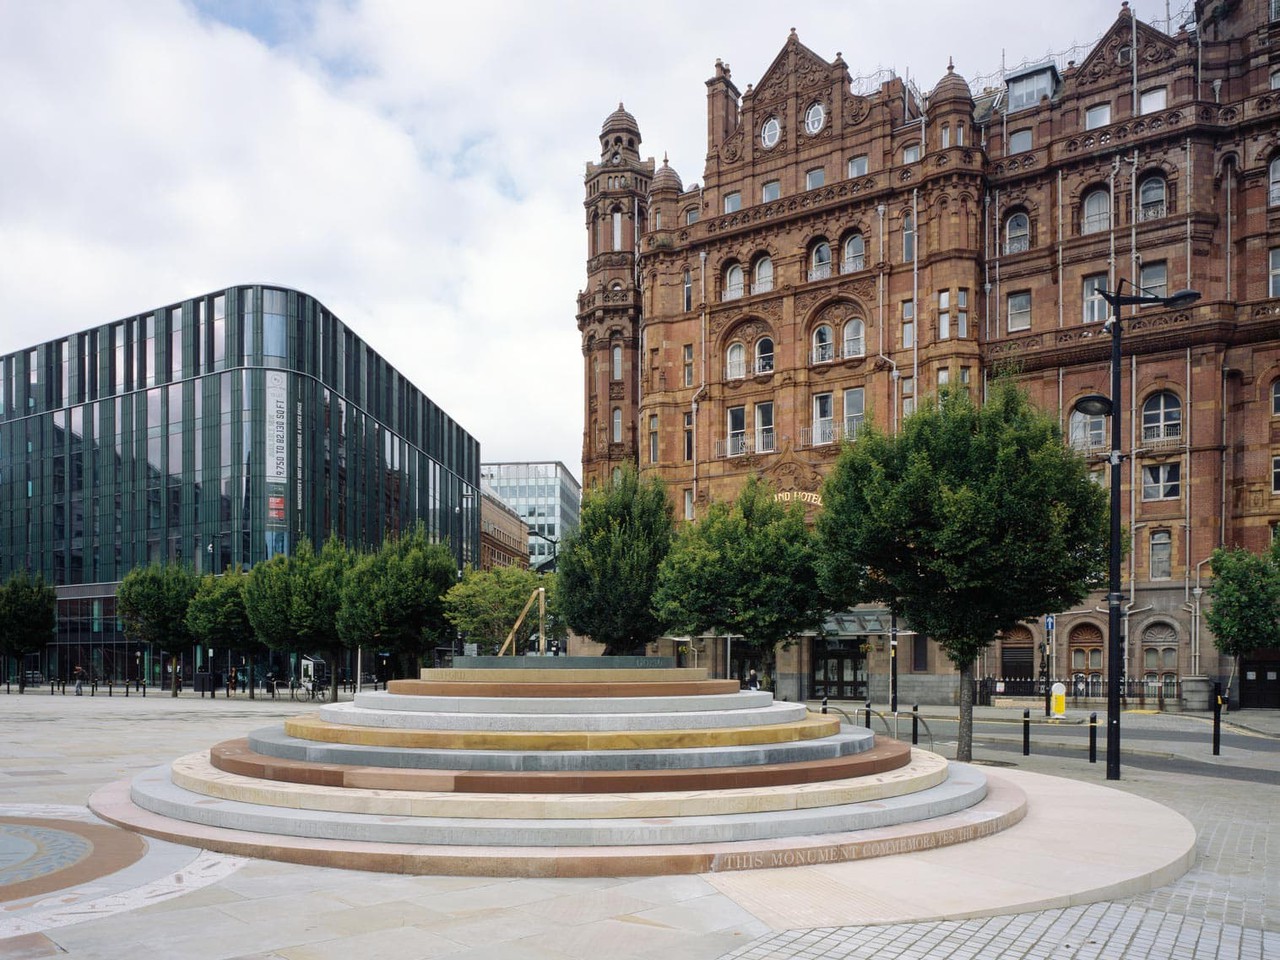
(764,363)
(853,264)
(822,432)
(742,444)
(732,291)
(1096,223)
(735,369)
(855,347)
(820,271)
(1152,211)
(762,285)
(822,353)
(1162,435)
(1017,245)
(1087,442)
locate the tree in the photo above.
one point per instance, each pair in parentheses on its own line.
(484,606)
(315,597)
(970,521)
(395,597)
(151,603)
(1244,611)
(747,568)
(28,619)
(216,615)
(608,570)
(267,590)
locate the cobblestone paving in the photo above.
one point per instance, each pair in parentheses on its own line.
(1227,907)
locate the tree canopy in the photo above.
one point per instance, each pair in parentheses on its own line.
(1244,595)
(608,570)
(151,603)
(28,618)
(484,606)
(746,568)
(216,615)
(972,519)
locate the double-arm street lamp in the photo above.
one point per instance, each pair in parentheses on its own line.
(1097,405)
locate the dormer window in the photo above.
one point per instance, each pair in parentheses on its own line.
(1027,90)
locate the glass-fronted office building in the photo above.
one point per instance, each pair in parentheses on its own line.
(217,431)
(546,496)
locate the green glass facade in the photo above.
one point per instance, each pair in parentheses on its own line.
(216,431)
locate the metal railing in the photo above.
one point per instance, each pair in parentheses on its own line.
(1017,244)
(822,353)
(820,271)
(1151,211)
(853,264)
(764,363)
(762,285)
(1150,690)
(732,291)
(741,444)
(735,369)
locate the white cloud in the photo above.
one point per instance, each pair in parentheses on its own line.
(416,167)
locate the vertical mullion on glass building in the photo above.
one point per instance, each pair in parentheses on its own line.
(214,432)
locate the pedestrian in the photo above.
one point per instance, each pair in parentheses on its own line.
(753,682)
(79,676)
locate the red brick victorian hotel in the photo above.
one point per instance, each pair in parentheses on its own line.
(857,243)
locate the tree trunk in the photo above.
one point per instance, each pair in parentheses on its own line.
(964,742)
(249,668)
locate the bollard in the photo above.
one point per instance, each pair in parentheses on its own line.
(824,704)
(93,688)
(1026,733)
(1217,719)
(110,693)
(868,715)
(915,724)
(126,688)
(52,685)
(1093,737)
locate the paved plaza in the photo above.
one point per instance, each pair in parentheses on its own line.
(69,891)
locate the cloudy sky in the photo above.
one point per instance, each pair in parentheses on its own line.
(416,166)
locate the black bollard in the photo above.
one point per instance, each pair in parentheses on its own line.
(824,704)
(915,724)
(1026,733)
(868,715)
(110,692)
(1217,719)
(1093,737)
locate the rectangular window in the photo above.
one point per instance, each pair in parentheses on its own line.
(1273,285)
(653,438)
(908,323)
(1099,115)
(617,230)
(688,364)
(1162,481)
(1275,474)
(1019,311)
(911,153)
(1094,307)
(1027,91)
(1154,279)
(946,136)
(688,504)
(858,166)
(962,314)
(1019,142)
(1151,100)
(691,216)
(919,653)
(1161,555)
(815,178)
(764,428)
(908,396)
(736,432)
(855,410)
(823,423)
(966,376)
(688,291)
(944,377)
(732,202)
(688,437)
(944,314)
(770,191)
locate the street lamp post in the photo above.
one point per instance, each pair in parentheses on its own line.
(1098,405)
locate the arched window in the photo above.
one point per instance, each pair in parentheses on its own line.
(1275,398)
(732,282)
(823,345)
(908,238)
(617,424)
(820,261)
(855,254)
(1096,212)
(1151,198)
(1087,431)
(762,282)
(735,367)
(615,372)
(1161,417)
(617,228)
(1160,659)
(854,339)
(764,355)
(1085,643)
(1017,233)
(1273,192)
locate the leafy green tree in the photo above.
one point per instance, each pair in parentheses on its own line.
(484,606)
(971,520)
(1244,595)
(394,598)
(151,603)
(315,597)
(747,568)
(267,591)
(28,619)
(608,570)
(216,615)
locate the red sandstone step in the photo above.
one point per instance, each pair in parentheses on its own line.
(235,756)
(623,688)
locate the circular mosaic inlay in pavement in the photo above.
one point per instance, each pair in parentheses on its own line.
(39,856)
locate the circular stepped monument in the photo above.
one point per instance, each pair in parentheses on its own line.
(567,766)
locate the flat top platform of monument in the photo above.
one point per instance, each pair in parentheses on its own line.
(528,662)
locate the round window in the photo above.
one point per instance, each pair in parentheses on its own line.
(815,117)
(770,132)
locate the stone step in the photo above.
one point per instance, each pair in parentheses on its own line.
(385,700)
(218,774)
(312,727)
(358,715)
(274,742)
(237,757)
(596,688)
(1003,807)
(572,675)
(155,790)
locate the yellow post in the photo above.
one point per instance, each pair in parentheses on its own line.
(519,620)
(1059,700)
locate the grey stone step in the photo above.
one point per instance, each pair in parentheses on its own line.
(274,742)
(154,790)
(358,715)
(383,700)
